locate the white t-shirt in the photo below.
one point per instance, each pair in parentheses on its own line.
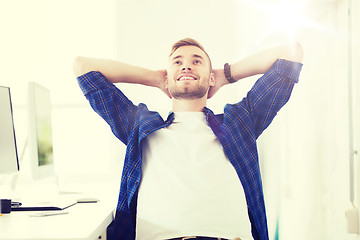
(188,186)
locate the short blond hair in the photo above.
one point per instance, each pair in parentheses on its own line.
(189,42)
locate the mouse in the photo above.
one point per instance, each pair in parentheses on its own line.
(87,200)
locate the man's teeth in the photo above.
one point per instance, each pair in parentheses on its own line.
(187,78)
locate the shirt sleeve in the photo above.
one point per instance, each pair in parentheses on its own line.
(109,102)
(270,93)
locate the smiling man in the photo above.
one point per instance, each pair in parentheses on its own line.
(189,77)
(181,72)
(195,175)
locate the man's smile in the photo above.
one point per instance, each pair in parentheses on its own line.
(185,77)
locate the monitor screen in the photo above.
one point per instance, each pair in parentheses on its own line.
(8,153)
(40,131)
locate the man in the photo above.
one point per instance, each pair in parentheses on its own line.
(195,174)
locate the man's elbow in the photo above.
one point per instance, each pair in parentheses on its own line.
(80,66)
(299,52)
(293,52)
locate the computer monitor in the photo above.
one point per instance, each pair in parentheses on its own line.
(40,132)
(9,162)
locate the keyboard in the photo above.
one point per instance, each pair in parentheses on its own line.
(44,206)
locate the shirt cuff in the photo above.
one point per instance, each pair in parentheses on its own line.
(288,68)
(93,81)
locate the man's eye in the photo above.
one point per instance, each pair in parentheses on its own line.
(197,61)
(177,62)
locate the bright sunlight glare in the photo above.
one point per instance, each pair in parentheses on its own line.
(286,17)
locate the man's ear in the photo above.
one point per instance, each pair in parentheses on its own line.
(212,80)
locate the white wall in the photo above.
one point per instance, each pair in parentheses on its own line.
(39,42)
(310,168)
(356,92)
(304,154)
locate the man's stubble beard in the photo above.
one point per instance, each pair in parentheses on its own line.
(187,93)
(191,92)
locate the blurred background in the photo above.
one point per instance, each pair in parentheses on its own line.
(307,152)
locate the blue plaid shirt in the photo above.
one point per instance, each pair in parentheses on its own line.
(237,130)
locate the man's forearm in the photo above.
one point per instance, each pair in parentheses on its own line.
(258,63)
(116,71)
(261,62)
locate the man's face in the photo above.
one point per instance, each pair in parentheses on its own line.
(188,74)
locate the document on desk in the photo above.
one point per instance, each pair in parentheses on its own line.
(47,214)
(45,205)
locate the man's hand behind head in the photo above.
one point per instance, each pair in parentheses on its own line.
(220,80)
(161,83)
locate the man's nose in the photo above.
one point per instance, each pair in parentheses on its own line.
(186,68)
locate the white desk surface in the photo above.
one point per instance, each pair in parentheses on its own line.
(83,221)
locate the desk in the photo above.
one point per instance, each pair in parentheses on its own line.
(83,221)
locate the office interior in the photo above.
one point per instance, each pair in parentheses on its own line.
(309,155)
